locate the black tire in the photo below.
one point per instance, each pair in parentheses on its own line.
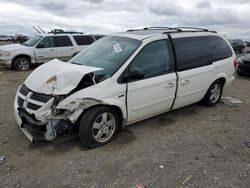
(87,130)
(22,63)
(207,101)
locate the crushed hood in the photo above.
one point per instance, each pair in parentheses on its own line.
(57,77)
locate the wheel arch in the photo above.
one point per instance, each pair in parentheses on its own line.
(117,109)
(18,56)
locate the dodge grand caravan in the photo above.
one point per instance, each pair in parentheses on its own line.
(122,79)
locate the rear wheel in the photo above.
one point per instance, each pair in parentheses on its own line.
(98,126)
(22,63)
(213,94)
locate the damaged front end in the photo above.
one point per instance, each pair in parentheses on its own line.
(38,111)
(39,117)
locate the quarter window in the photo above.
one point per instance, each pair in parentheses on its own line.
(220,49)
(83,40)
(154,59)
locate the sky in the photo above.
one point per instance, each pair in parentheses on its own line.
(229,17)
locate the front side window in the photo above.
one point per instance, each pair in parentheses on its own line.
(154,59)
(47,42)
(109,53)
(192,52)
(62,41)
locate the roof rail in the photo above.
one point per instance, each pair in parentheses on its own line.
(175,29)
(191,28)
(154,28)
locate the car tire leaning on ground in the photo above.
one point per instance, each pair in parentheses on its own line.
(213,94)
(98,126)
(21,63)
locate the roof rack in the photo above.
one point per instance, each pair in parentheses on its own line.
(174,29)
(191,29)
(60,31)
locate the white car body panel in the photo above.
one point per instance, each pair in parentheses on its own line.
(143,101)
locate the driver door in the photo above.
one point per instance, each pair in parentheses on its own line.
(46,50)
(155,93)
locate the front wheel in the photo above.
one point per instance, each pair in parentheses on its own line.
(98,126)
(213,94)
(22,63)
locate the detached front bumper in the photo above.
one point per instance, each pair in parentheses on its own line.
(6,62)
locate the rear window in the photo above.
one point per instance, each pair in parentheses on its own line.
(83,40)
(192,52)
(220,49)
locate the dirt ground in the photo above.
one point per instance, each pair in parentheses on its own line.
(197,146)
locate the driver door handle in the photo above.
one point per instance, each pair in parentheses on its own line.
(169,85)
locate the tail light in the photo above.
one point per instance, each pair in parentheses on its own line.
(235,63)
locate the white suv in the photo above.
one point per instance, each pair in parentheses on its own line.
(44,47)
(122,79)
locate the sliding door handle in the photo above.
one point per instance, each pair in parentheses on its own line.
(185,82)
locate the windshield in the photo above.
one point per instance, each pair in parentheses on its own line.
(32,41)
(109,53)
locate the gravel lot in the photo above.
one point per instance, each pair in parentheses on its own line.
(207,147)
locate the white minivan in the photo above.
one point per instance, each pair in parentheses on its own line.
(44,47)
(121,79)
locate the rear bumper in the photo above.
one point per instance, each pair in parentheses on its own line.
(6,62)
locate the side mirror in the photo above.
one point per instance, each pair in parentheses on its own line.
(40,45)
(134,74)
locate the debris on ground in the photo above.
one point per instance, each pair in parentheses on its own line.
(230,101)
(247,144)
(2,159)
(186,179)
(161,166)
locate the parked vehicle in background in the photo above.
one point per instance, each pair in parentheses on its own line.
(44,47)
(19,38)
(6,38)
(247,43)
(243,65)
(238,45)
(122,79)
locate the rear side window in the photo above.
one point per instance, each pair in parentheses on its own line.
(154,59)
(220,49)
(62,41)
(83,40)
(192,52)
